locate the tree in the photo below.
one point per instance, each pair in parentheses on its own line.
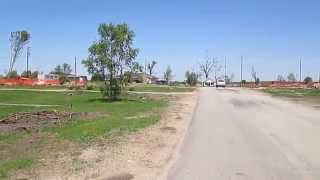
(308,80)
(134,68)
(64,69)
(255,76)
(26,74)
(30,74)
(34,74)
(229,79)
(150,67)
(191,78)
(12,74)
(168,75)
(97,77)
(291,77)
(110,56)
(18,40)
(280,78)
(210,65)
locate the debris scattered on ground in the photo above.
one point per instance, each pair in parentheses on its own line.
(27,121)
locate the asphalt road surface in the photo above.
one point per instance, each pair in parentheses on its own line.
(242,134)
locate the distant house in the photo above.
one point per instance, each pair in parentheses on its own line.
(161,82)
(208,83)
(144,78)
(53,79)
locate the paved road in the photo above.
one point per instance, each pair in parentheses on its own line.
(241,134)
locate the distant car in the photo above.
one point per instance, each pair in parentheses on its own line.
(221,83)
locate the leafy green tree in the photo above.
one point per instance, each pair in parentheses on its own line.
(30,74)
(308,80)
(18,40)
(110,56)
(97,77)
(151,67)
(134,68)
(26,74)
(191,78)
(12,74)
(34,74)
(168,75)
(63,71)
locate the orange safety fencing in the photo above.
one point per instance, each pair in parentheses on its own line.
(21,81)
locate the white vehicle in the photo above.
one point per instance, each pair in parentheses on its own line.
(221,83)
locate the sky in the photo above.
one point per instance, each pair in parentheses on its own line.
(271,35)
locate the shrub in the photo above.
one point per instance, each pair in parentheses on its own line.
(89,87)
(308,80)
(12,74)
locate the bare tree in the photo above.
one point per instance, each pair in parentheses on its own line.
(168,74)
(291,77)
(208,66)
(150,67)
(280,78)
(255,76)
(18,40)
(229,79)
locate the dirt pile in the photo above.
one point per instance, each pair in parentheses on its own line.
(28,121)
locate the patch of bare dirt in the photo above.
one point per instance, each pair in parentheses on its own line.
(145,154)
(27,121)
(124,176)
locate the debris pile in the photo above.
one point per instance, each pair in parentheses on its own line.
(27,121)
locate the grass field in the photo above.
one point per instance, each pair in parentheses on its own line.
(160,88)
(147,87)
(293,92)
(127,115)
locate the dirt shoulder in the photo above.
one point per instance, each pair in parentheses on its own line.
(145,154)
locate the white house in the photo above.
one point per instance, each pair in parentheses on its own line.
(208,83)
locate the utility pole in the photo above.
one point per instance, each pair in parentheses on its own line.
(28,54)
(300,67)
(241,79)
(225,68)
(75,66)
(145,66)
(75,70)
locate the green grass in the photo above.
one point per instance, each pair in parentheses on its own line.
(293,92)
(141,87)
(126,115)
(160,88)
(8,166)
(117,111)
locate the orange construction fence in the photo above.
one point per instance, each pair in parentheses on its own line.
(21,81)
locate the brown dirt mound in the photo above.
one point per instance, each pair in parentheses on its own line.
(27,121)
